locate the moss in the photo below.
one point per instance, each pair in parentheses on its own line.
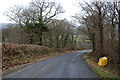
(85,57)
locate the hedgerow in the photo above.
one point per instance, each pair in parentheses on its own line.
(17,54)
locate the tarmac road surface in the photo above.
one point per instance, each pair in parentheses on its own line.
(70,65)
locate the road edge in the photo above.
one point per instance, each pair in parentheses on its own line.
(90,67)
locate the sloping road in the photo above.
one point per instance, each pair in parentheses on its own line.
(69,65)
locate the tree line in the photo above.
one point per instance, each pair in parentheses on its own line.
(100,23)
(36,24)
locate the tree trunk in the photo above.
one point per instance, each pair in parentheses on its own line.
(65,41)
(57,41)
(119,44)
(41,40)
(101,52)
(51,40)
(101,41)
(31,39)
(93,42)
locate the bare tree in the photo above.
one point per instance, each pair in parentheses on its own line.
(34,18)
(95,16)
(100,23)
(118,11)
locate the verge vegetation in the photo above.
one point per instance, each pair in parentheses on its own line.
(103,72)
(16,55)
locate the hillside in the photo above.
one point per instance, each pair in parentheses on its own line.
(5,25)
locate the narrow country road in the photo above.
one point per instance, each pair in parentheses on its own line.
(69,65)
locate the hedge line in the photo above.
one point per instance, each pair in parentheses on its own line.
(16,54)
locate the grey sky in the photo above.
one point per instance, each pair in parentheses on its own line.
(68,5)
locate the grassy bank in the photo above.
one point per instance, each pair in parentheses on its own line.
(103,72)
(16,55)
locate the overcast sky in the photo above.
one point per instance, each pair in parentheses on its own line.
(68,5)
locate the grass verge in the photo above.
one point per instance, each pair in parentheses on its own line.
(103,72)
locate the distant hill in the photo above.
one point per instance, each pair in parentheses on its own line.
(5,25)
